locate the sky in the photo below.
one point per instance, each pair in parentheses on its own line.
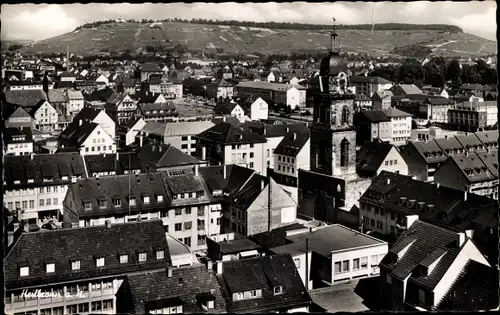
(36,22)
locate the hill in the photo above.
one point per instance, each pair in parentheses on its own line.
(137,37)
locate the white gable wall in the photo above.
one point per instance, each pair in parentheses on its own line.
(98,142)
(259,110)
(106,123)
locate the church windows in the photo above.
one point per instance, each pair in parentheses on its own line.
(319,158)
(345,116)
(344,153)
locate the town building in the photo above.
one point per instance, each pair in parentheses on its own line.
(220,89)
(161,157)
(431,133)
(474,172)
(273,93)
(87,138)
(337,254)
(473,116)
(18,141)
(375,157)
(120,107)
(394,201)
(36,185)
(149,69)
(382,100)
(75,101)
(404,90)
(178,134)
(180,254)
(157,112)
(178,197)
(388,125)
(231,246)
(82,269)
(229,108)
(46,116)
(128,131)
(424,158)
(95,115)
(17,116)
(255,108)
(421,267)
(369,85)
(192,290)
(104,164)
(227,144)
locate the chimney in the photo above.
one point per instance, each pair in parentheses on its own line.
(465,195)
(31,156)
(294,136)
(461,237)
(80,122)
(140,141)
(209,264)
(219,267)
(224,119)
(265,131)
(224,171)
(262,184)
(117,156)
(169,272)
(196,170)
(388,181)
(437,185)
(287,129)
(108,224)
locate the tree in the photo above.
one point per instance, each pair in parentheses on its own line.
(453,71)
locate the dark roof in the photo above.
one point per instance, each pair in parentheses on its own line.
(276,237)
(14,135)
(449,208)
(429,151)
(57,165)
(161,155)
(161,108)
(25,98)
(118,162)
(475,289)
(271,130)
(423,239)
(236,177)
(292,144)
(371,155)
(74,135)
(226,133)
(394,112)
(478,167)
(150,67)
(375,116)
(87,114)
(243,198)
(225,107)
(230,120)
(85,244)
(66,74)
(188,285)
(263,273)
(237,245)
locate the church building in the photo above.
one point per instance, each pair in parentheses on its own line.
(331,188)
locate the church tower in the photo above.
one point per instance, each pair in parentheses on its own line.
(332,134)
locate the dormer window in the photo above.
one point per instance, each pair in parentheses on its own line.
(278,290)
(159,198)
(146,199)
(143,257)
(99,262)
(160,254)
(17,182)
(31,180)
(102,203)
(123,259)
(65,178)
(131,201)
(117,202)
(24,271)
(87,205)
(50,268)
(47,178)
(75,265)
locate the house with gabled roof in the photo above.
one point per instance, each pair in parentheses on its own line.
(98,116)
(229,108)
(375,157)
(72,265)
(262,285)
(86,137)
(18,141)
(17,116)
(46,116)
(161,157)
(369,85)
(228,144)
(422,265)
(120,107)
(112,164)
(192,290)
(220,89)
(128,131)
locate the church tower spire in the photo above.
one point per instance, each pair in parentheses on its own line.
(333,39)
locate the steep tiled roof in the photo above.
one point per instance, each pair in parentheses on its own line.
(87,114)
(236,177)
(75,95)
(57,96)
(272,131)
(74,135)
(108,163)
(410,89)
(25,98)
(54,166)
(225,133)
(150,67)
(292,144)
(85,244)
(478,168)
(430,151)
(375,116)
(371,155)
(425,240)
(394,112)
(263,273)
(224,108)
(475,289)
(189,284)
(11,135)
(161,155)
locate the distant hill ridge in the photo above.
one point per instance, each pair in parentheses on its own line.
(295,26)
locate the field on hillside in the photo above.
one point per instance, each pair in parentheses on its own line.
(231,39)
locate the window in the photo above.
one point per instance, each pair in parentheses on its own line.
(132,201)
(278,290)
(58,310)
(345,266)
(146,200)
(386,163)
(188,225)
(355,264)
(99,262)
(25,204)
(178,212)
(251,154)
(83,308)
(337,267)
(72,309)
(123,259)
(364,262)
(202,240)
(143,257)
(297,262)
(75,265)
(49,201)
(160,254)
(86,205)
(42,202)
(96,306)
(251,145)
(178,227)
(25,271)
(187,241)
(159,198)
(107,305)
(188,210)
(50,268)
(344,153)
(421,296)
(102,203)
(117,202)
(32,204)
(374,260)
